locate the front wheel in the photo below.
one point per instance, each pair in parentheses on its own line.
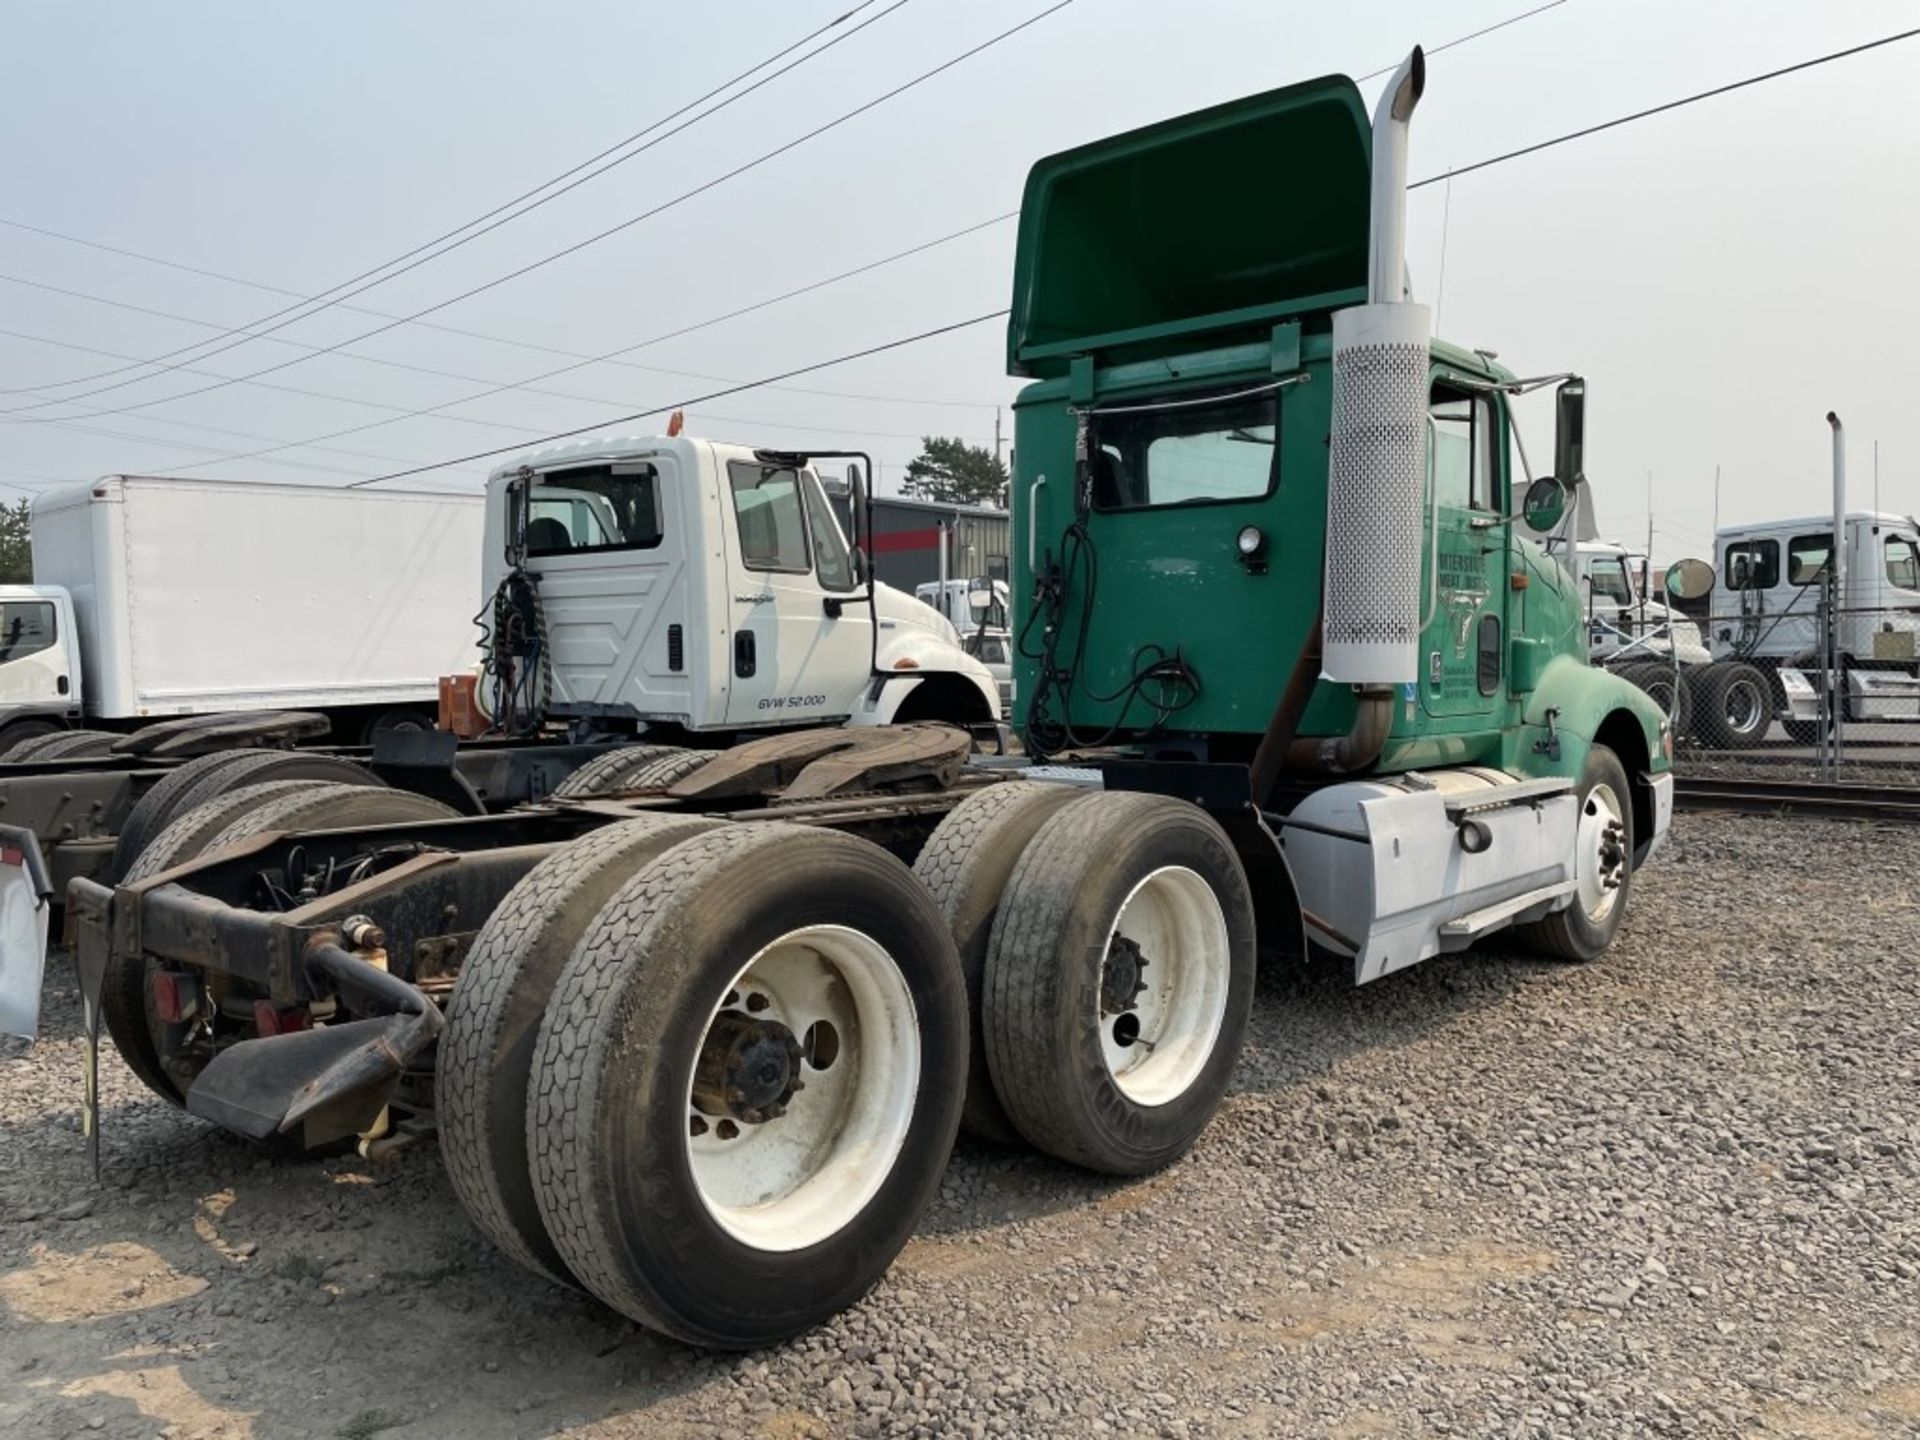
(1602,865)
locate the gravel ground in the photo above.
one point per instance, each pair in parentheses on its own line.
(1672,1193)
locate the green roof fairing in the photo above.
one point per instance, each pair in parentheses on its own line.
(1213,220)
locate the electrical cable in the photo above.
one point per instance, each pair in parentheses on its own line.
(250,331)
(584,361)
(690,401)
(607,359)
(1669,105)
(579,245)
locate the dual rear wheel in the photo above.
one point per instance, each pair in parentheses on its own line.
(708,1072)
(711,1072)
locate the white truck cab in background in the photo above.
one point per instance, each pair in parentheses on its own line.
(694,585)
(40,670)
(1624,620)
(1770,583)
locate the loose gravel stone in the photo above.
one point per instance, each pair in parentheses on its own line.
(1672,1193)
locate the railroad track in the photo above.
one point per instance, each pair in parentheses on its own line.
(1816,800)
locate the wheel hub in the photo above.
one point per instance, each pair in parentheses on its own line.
(1613,854)
(1122,979)
(748,1069)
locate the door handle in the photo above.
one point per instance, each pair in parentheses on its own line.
(833,605)
(61,685)
(743,656)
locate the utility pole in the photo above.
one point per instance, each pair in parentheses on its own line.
(996,434)
(1876,485)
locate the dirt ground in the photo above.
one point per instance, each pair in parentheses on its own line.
(1670,1193)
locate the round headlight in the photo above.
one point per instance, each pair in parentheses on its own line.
(1251,541)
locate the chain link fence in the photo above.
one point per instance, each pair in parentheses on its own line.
(1789,696)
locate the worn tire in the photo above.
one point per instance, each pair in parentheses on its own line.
(965,865)
(74,745)
(1732,706)
(1047,964)
(22,733)
(334,807)
(195,831)
(192,784)
(607,774)
(35,748)
(1659,681)
(1574,934)
(608,1119)
(294,806)
(486,1052)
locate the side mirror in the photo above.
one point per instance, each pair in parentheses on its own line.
(1544,504)
(1690,580)
(1570,433)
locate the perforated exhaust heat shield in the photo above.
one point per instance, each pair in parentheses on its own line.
(1375,494)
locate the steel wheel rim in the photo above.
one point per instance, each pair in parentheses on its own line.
(787,1182)
(1743,706)
(1601,872)
(1158,1046)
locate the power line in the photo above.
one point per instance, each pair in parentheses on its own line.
(633,220)
(250,331)
(1669,105)
(1463,39)
(909,340)
(495,387)
(735,313)
(692,400)
(464,334)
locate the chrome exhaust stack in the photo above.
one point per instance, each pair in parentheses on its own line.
(1376,481)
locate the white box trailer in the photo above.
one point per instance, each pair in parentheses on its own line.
(157,597)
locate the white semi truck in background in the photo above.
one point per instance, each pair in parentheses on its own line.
(1769,586)
(157,598)
(694,591)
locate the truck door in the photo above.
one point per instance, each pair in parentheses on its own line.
(801,633)
(34,655)
(608,542)
(1464,648)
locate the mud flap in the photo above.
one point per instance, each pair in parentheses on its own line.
(25,893)
(333,1081)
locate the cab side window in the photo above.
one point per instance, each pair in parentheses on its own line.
(1753,565)
(1903,563)
(1609,581)
(26,628)
(831,562)
(1807,558)
(1462,436)
(767,507)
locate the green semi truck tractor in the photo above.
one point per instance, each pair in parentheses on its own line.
(696,1032)
(1261,514)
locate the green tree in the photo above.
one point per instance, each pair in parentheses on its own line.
(16,555)
(956,473)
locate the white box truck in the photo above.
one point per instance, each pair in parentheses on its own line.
(157,597)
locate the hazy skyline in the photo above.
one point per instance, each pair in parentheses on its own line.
(1723,275)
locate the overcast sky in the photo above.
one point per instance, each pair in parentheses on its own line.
(1723,275)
